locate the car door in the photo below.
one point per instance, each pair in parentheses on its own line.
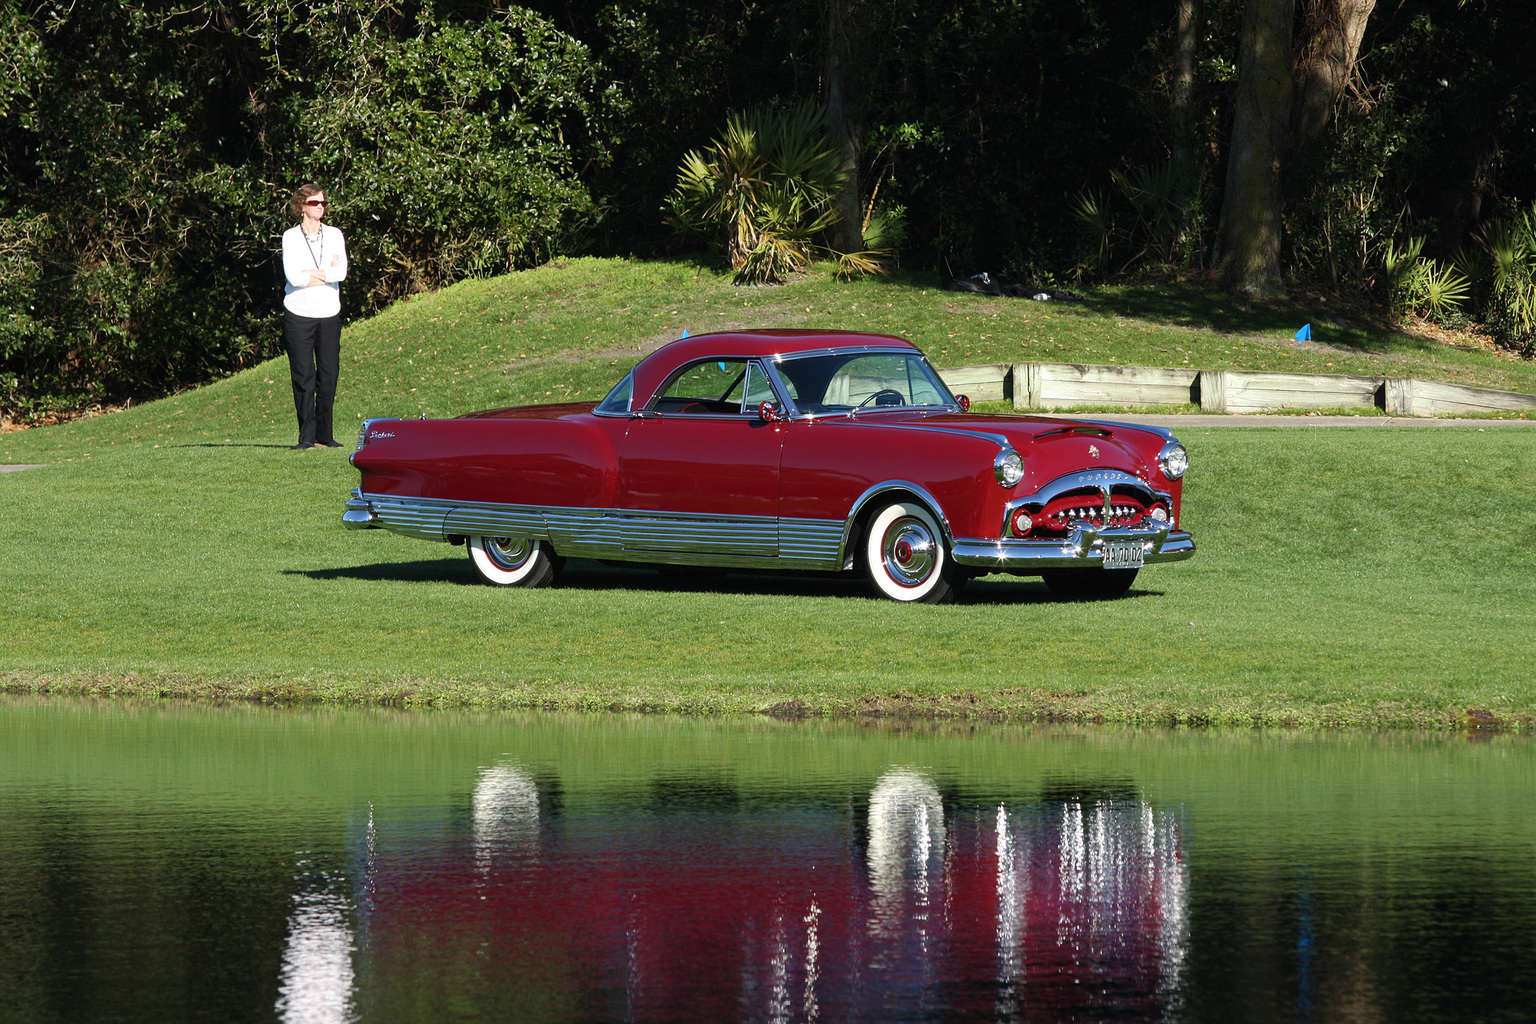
(699,471)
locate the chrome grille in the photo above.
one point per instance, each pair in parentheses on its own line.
(1059,515)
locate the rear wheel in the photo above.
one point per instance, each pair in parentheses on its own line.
(1090,584)
(514,561)
(905,556)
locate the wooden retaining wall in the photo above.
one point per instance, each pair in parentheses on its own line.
(1064,385)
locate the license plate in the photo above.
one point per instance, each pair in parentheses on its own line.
(1123,554)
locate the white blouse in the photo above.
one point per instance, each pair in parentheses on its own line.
(304,255)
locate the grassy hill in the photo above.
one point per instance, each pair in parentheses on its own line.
(567,330)
(1371,577)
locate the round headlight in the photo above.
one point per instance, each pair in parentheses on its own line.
(1008,467)
(1173,460)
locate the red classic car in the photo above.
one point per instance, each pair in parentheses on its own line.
(827,451)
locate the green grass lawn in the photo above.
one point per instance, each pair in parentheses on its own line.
(1378,577)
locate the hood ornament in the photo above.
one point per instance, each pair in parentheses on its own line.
(1093,450)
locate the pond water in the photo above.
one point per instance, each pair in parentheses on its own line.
(176,863)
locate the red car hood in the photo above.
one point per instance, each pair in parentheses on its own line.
(1050,446)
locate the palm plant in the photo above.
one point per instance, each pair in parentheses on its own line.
(1421,285)
(1511,246)
(766,184)
(1405,271)
(1153,191)
(1444,289)
(1092,212)
(1161,220)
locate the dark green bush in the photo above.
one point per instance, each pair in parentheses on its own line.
(149,150)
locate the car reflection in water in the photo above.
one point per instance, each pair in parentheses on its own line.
(697,902)
(316,979)
(505,813)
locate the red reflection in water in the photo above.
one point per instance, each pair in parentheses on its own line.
(913,909)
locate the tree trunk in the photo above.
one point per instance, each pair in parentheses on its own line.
(1248,255)
(1334,29)
(843,125)
(1181,105)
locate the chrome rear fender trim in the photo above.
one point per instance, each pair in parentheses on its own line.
(615,534)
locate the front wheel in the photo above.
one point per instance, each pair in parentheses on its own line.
(905,557)
(514,561)
(1090,584)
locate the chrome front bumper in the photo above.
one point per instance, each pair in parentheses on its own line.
(1082,548)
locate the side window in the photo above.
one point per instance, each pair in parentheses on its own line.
(618,399)
(759,390)
(710,387)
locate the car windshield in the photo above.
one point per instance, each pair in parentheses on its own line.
(862,380)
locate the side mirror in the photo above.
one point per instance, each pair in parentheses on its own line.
(965,402)
(768,414)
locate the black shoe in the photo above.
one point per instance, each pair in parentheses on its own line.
(331,444)
(303,446)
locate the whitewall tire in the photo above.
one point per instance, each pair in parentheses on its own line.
(513,561)
(905,556)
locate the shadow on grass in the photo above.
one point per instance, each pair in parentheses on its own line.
(244,444)
(1187,305)
(1016,590)
(584,574)
(434,570)
(1184,305)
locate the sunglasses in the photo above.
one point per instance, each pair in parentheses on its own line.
(315,202)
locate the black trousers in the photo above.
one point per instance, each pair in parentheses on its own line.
(314,357)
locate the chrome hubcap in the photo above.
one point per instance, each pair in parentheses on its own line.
(508,552)
(908,551)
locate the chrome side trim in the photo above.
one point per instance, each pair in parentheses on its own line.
(614,534)
(1083,548)
(486,520)
(644,532)
(811,543)
(997,439)
(414,517)
(583,532)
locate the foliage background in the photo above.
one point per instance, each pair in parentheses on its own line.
(149,150)
(146,148)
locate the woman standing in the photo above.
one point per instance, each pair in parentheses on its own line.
(315,264)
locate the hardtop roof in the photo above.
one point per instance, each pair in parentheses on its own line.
(755,344)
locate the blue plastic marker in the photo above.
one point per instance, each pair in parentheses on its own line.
(1305,334)
(685,334)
